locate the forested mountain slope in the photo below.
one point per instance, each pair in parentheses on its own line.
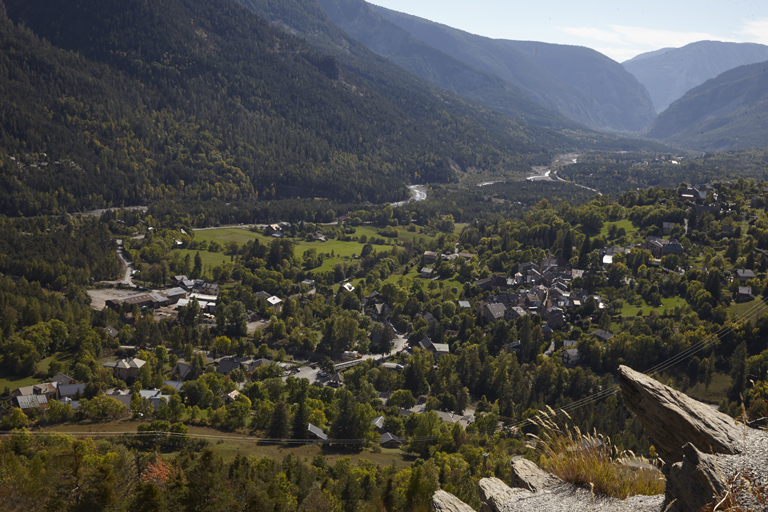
(670,72)
(133,101)
(306,18)
(726,112)
(361,20)
(578,82)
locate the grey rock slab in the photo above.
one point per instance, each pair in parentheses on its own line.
(672,419)
(567,497)
(446,502)
(494,493)
(696,481)
(527,475)
(701,476)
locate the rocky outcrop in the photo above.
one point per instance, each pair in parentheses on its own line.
(696,481)
(708,456)
(527,475)
(557,495)
(446,502)
(673,419)
(494,493)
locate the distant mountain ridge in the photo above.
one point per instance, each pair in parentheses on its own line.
(307,19)
(578,82)
(372,31)
(669,73)
(727,112)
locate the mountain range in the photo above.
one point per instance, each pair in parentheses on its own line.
(669,73)
(111,102)
(577,82)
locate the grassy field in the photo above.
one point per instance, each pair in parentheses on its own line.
(242,236)
(228,445)
(623,223)
(752,309)
(338,249)
(62,357)
(225,235)
(669,303)
(12,382)
(209,258)
(717,391)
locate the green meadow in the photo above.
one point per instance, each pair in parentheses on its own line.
(623,223)
(334,250)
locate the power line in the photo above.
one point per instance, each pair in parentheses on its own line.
(687,353)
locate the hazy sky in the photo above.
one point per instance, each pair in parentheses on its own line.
(617,28)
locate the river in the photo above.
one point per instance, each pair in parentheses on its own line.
(545,173)
(418,193)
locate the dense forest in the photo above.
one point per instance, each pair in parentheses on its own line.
(611,173)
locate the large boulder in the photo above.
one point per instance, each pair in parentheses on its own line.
(494,493)
(696,481)
(527,475)
(673,419)
(446,502)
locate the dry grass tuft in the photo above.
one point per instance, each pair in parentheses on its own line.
(592,461)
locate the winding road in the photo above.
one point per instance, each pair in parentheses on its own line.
(127,280)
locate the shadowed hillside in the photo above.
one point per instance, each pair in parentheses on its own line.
(727,112)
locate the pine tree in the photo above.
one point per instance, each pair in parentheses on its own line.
(584,253)
(301,418)
(197,271)
(280,424)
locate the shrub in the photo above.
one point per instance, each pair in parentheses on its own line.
(592,461)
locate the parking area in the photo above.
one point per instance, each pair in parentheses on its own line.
(100,297)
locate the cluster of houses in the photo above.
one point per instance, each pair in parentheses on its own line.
(548,295)
(431,257)
(550,302)
(154,300)
(225,365)
(38,396)
(570,353)
(63,388)
(388,440)
(744,293)
(696,196)
(660,247)
(657,246)
(551,271)
(280,229)
(437,349)
(698,193)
